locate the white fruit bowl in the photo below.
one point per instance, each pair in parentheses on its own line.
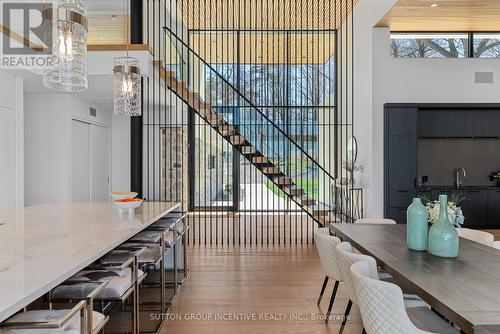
(123,195)
(127,206)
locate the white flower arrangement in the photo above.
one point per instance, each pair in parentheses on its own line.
(455,214)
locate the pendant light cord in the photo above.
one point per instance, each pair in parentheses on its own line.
(128,25)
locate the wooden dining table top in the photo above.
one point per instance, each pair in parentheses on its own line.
(465,290)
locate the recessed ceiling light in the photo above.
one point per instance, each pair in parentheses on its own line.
(113,17)
(434,5)
(101,38)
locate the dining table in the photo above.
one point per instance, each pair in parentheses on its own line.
(465,290)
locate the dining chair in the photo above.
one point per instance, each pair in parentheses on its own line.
(383,309)
(375,221)
(481,237)
(326,244)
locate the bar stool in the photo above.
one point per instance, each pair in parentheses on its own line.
(61,320)
(168,227)
(383,309)
(178,222)
(120,270)
(67,321)
(326,244)
(153,258)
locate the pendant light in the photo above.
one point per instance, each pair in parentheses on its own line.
(127,86)
(68,71)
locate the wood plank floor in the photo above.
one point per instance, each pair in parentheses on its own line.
(272,289)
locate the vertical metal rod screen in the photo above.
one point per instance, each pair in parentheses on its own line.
(234,80)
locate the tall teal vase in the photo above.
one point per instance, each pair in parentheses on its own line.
(417,229)
(443,237)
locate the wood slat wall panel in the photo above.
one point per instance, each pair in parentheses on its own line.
(449,15)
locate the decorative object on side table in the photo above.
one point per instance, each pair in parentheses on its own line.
(443,237)
(417,227)
(495,176)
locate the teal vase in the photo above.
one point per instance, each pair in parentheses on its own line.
(417,231)
(443,237)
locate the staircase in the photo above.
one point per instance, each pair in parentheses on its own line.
(235,135)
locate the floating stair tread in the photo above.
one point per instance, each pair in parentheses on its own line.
(271,170)
(283,180)
(248,150)
(306,200)
(293,190)
(260,160)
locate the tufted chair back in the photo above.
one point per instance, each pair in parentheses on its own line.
(381,304)
(481,237)
(346,258)
(326,243)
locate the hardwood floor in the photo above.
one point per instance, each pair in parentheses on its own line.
(265,286)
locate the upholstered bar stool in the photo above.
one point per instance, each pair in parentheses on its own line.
(177,221)
(168,226)
(326,244)
(383,310)
(61,320)
(122,275)
(67,321)
(152,260)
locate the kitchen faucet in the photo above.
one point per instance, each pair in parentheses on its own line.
(459,180)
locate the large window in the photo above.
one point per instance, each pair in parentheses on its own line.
(450,45)
(429,46)
(287,79)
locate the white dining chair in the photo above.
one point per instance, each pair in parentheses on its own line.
(346,258)
(383,309)
(481,237)
(375,221)
(325,243)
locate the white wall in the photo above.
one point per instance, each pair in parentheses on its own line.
(47,126)
(380,79)
(11,143)
(422,81)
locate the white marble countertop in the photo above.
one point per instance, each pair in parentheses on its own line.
(43,245)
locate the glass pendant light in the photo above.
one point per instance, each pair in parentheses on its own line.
(69,61)
(127,87)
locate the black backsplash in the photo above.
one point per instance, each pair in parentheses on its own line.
(438,158)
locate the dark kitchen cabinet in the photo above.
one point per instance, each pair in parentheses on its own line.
(475,208)
(482,123)
(401,157)
(494,208)
(397,214)
(433,123)
(402,121)
(402,162)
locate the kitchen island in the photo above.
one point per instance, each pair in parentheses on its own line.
(44,245)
